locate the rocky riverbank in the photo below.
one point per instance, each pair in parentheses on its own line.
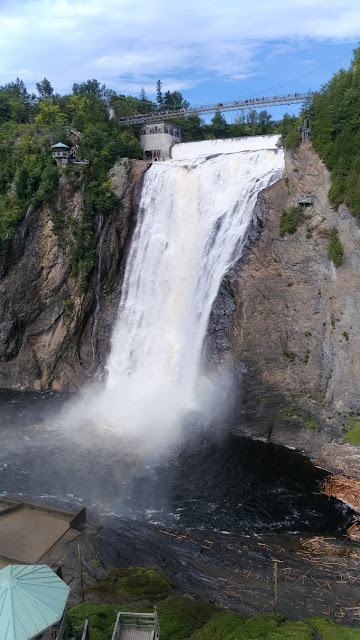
(233,572)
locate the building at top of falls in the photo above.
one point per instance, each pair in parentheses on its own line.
(157,138)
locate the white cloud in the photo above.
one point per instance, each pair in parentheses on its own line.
(128,43)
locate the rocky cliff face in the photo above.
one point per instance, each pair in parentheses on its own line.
(53,334)
(287,321)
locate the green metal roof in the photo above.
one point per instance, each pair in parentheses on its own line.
(60,145)
(32,598)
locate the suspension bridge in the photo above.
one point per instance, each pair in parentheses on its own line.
(235,105)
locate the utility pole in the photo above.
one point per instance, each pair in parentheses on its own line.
(275,585)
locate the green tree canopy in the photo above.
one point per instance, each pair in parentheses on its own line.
(50,113)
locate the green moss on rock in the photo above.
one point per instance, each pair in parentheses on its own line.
(133,584)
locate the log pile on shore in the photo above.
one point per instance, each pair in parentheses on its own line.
(348,491)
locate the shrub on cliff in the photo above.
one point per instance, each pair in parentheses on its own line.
(353,435)
(293,138)
(290,219)
(335,250)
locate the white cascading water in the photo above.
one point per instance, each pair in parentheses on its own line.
(193,222)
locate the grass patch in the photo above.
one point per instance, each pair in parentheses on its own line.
(305,358)
(186,619)
(290,219)
(96,562)
(293,412)
(329,630)
(290,355)
(180,617)
(222,625)
(68,308)
(101,617)
(267,627)
(353,436)
(346,335)
(335,250)
(131,585)
(310,422)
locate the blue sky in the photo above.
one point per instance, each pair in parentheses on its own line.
(210,51)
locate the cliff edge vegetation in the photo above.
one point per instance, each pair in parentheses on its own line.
(334,115)
(29,176)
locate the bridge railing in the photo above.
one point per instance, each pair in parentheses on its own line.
(236,105)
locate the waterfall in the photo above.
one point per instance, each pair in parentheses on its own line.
(193,221)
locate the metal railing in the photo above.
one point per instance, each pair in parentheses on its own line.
(236,105)
(82,633)
(126,619)
(60,154)
(63,628)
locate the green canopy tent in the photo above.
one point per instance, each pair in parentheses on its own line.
(32,598)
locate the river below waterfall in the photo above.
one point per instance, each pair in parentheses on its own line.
(212,482)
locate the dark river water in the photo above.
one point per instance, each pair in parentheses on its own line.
(225,484)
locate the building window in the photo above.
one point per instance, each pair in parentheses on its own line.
(143,132)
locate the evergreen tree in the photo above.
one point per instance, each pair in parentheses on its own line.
(174,100)
(44,88)
(159,95)
(16,101)
(146,104)
(219,126)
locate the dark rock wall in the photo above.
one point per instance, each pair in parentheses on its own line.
(280,317)
(44,344)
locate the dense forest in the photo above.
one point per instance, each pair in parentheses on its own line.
(335,133)
(31,123)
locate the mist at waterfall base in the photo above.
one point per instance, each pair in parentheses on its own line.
(142,445)
(232,484)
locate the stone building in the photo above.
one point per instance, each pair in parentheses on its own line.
(157,138)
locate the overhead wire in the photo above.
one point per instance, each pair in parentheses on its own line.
(272,88)
(277,86)
(308,74)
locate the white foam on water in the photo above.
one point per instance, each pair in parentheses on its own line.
(206,148)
